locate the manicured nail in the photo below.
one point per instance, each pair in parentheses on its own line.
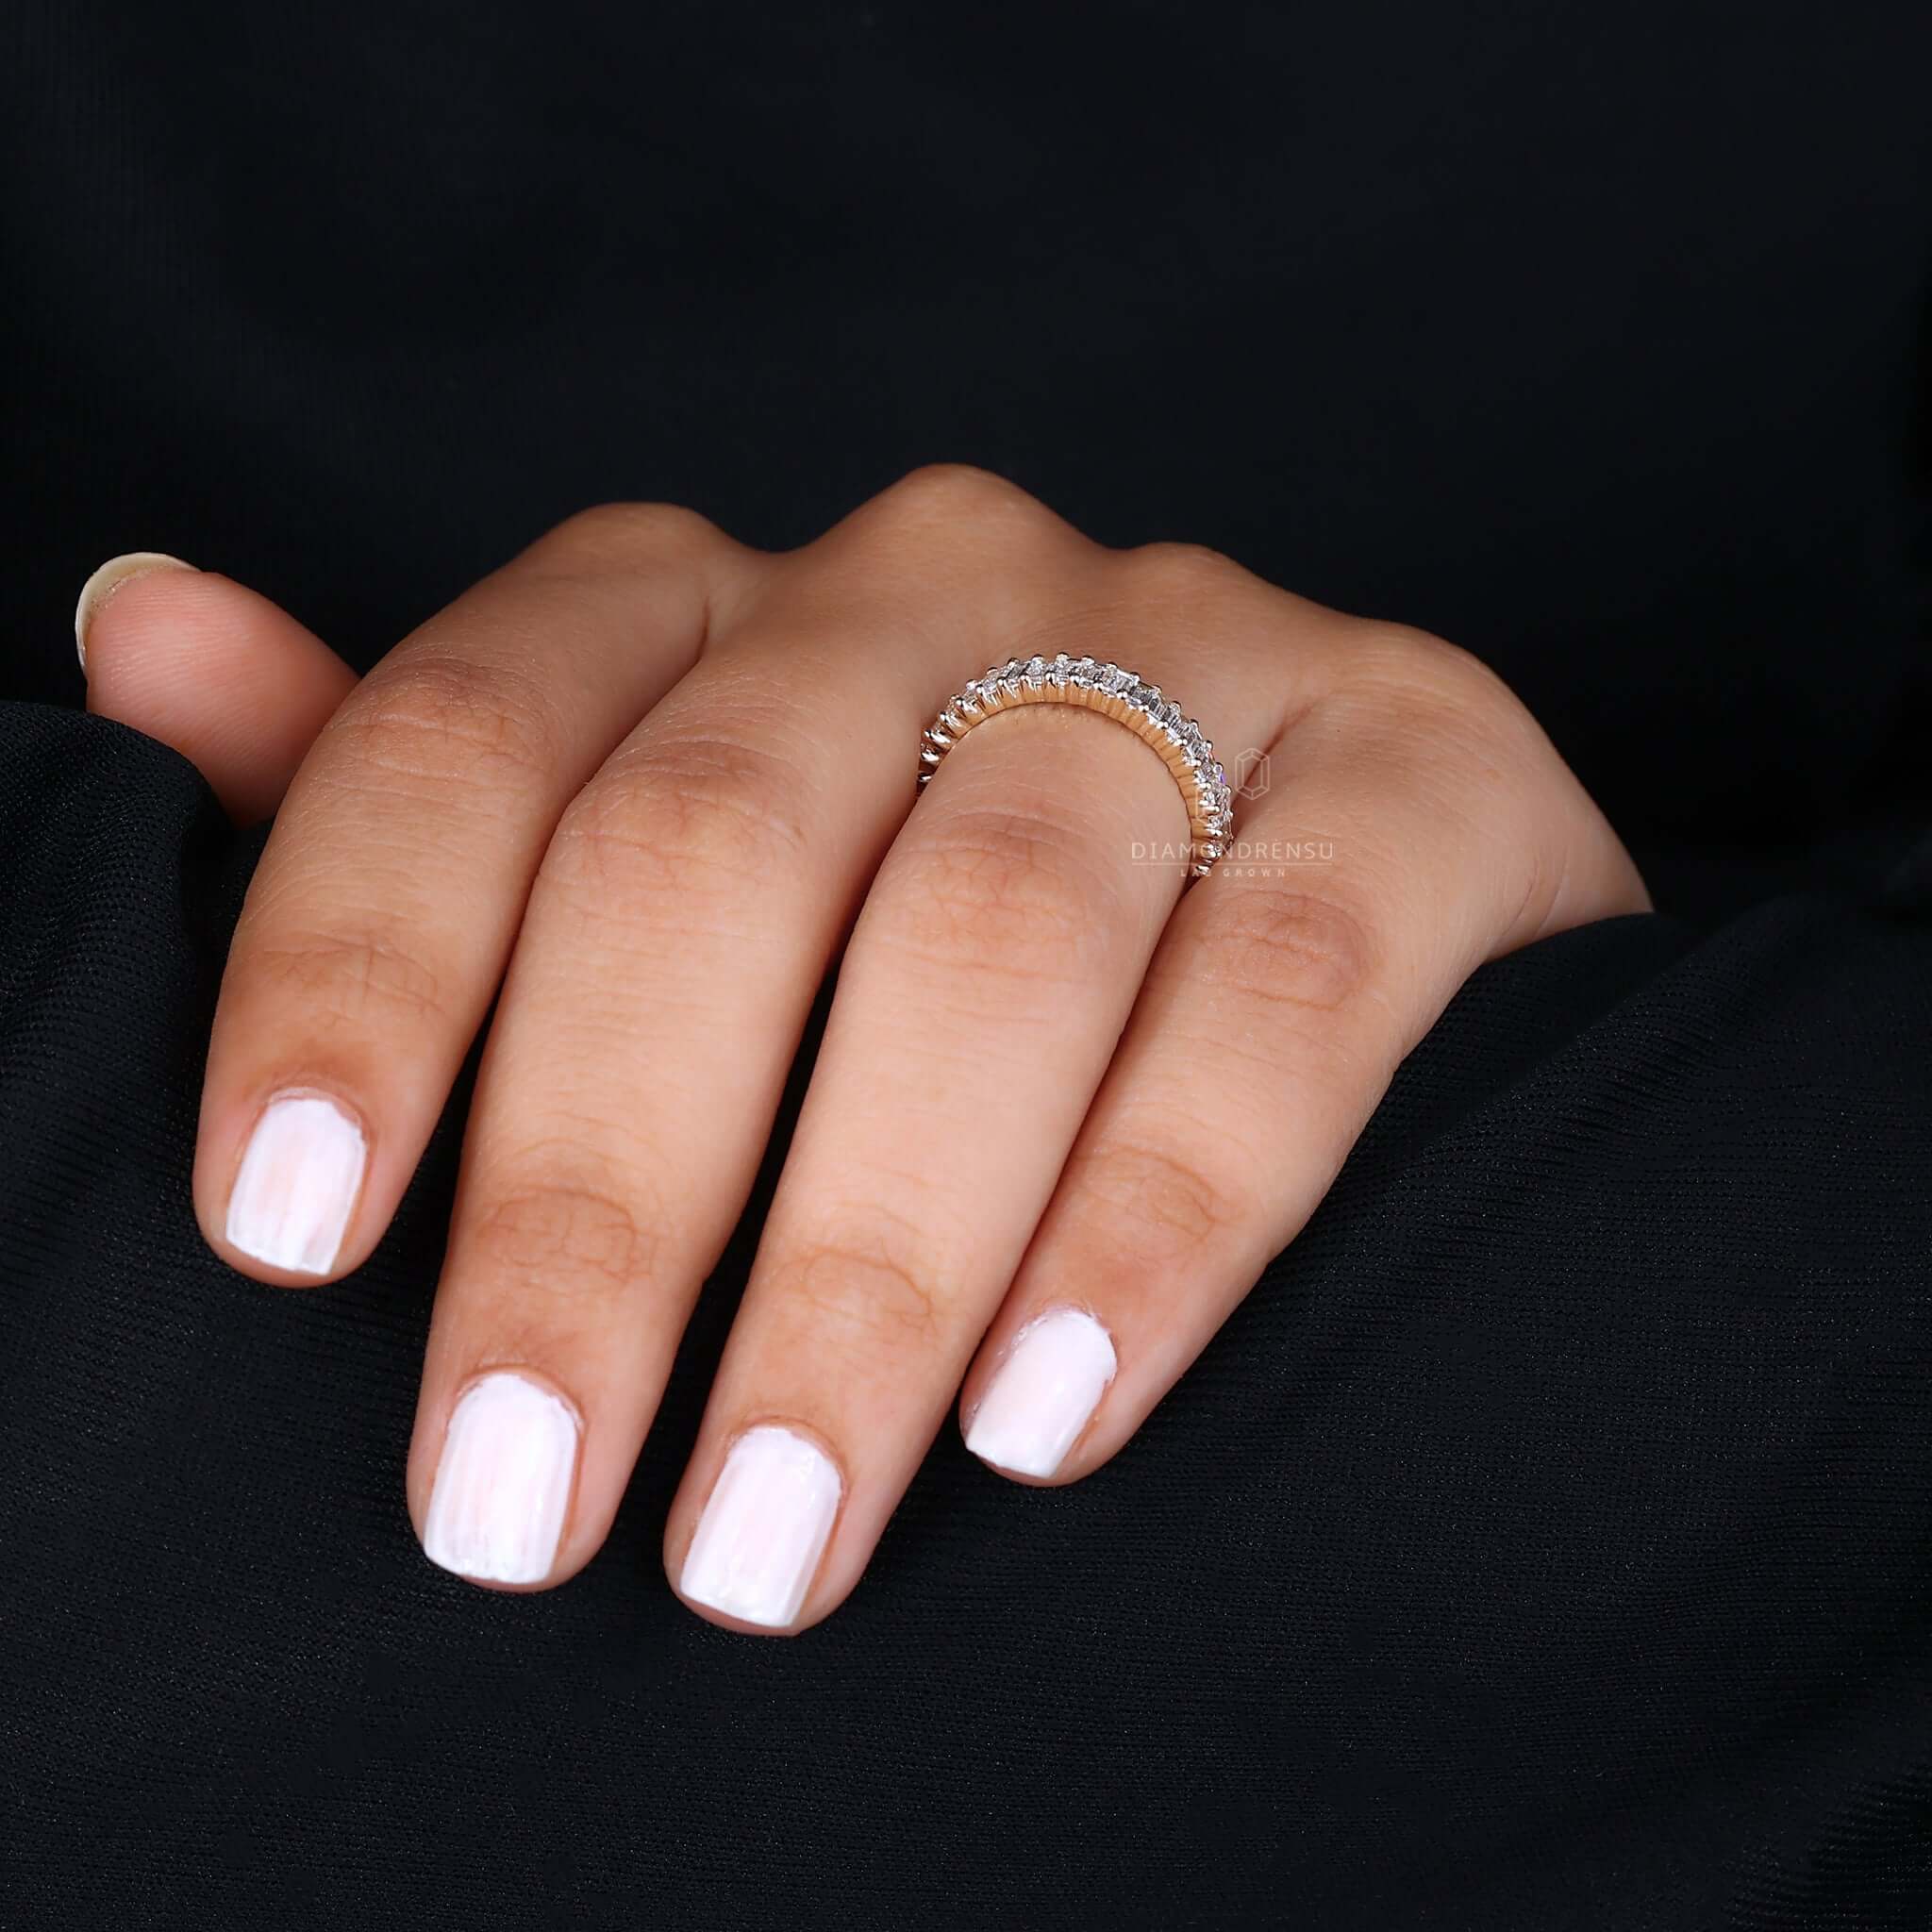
(106,580)
(1051,1382)
(760,1539)
(503,1483)
(297,1187)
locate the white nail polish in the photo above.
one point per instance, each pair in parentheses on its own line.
(297,1185)
(758,1542)
(503,1483)
(106,580)
(1051,1382)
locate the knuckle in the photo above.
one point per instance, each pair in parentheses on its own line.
(691,814)
(1152,1198)
(1005,892)
(947,496)
(440,719)
(1293,948)
(1179,573)
(352,979)
(616,535)
(1417,664)
(1450,734)
(863,1281)
(562,1233)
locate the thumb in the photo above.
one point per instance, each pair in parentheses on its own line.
(210,667)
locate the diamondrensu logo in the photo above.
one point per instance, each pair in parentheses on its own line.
(1248,775)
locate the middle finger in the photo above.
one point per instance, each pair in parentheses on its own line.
(678,930)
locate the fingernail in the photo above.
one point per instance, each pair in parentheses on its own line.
(106,580)
(758,1542)
(503,1482)
(296,1189)
(1051,1382)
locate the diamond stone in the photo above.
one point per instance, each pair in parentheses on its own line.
(1177,738)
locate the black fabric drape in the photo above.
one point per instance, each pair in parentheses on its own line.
(1545,1542)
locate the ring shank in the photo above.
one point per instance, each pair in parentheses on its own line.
(1098,686)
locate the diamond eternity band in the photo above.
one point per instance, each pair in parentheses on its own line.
(1117,694)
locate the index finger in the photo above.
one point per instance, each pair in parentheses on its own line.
(382,913)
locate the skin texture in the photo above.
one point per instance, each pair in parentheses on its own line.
(649,782)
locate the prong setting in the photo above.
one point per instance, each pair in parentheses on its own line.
(1118,693)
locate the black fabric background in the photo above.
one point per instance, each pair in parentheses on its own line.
(1545,1542)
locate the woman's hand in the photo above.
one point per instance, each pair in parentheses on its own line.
(653,784)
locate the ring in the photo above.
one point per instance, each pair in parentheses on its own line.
(1117,694)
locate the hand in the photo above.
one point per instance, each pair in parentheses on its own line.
(650,782)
